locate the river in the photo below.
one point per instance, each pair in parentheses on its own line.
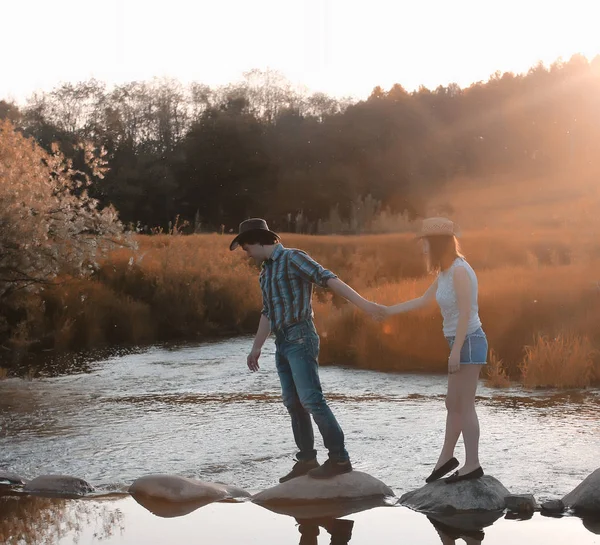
(196,411)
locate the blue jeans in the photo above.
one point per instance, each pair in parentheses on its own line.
(297,350)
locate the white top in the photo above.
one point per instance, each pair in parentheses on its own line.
(446,298)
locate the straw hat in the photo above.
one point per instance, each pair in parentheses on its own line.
(437,226)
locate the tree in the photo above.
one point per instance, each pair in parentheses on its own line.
(225,171)
(10,111)
(48,222)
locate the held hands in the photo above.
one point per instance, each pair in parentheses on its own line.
(252,359)
(377,312)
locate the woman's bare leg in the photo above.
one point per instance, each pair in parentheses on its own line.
(469,374)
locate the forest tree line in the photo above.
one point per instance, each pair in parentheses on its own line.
(213,157)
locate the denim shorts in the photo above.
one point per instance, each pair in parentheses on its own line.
(474,349)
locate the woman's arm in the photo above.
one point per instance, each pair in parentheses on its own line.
(413,304)
(462,288)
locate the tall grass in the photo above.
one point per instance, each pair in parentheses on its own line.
(191,287)
(516,304)
(495,373)
(565,361)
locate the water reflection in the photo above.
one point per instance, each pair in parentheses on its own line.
(586,402)
(466,526)
(449,534)
(340,530)
(115,521)
(592,524)
(327,509)
(169,509)
(50,364)
(35,520)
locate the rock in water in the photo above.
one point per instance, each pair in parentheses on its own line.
(483,494)
(585,498)
(58,485)
(11,479)
(523,504)
(355,485)
(174,496)
(553,507)
(173,488)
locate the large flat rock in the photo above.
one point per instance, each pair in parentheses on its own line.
(483,494)
(355,485)
(173,488)
(585,498)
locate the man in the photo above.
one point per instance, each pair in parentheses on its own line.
(286,281)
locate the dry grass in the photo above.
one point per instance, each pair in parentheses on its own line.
(516,304)
(565,361)
(193,285)
(537,265)
(495,374)
(173,287)
(176,287)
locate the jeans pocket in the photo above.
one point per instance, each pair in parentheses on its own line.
(296,333)
(313,343)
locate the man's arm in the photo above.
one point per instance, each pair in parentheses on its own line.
(311,271)
(263,332)
(344,290)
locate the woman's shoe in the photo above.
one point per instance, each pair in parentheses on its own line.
(442,470)
(455,477)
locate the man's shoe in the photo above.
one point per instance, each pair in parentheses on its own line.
(330,469)
(300,468)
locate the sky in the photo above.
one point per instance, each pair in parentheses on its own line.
(340,47)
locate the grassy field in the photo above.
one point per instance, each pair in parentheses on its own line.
(538,267)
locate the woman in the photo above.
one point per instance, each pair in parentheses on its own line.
(455,290)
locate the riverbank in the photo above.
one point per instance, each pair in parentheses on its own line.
(539,301)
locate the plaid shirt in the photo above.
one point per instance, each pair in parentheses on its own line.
(286,281)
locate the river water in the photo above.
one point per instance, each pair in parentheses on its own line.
(196,411)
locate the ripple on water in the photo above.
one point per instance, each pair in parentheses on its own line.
(196,411)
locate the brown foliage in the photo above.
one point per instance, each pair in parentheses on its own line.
(565,361)
(188,287)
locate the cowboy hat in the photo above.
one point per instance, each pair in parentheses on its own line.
(247,227)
